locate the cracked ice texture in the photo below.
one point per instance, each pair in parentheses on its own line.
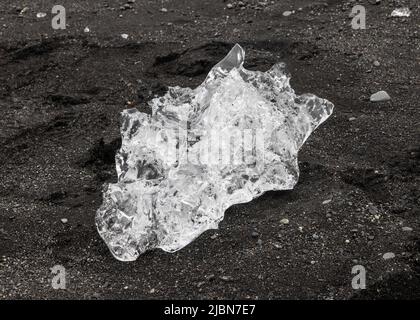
(168,192)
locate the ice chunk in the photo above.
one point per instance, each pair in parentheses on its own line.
(202,150)
(401,12)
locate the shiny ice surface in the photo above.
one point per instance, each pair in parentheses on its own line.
(201,151)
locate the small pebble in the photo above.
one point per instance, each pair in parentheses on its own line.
(380,96)
(226,278)
(388,255)
(64,220)
(210,277)
(126,7)
(287,13)
(284,221)
(376,63)
(277,245)
(407,229)
(124,36)
(401,12)
(255,234)
(326,201)
(25,9)
(86,30)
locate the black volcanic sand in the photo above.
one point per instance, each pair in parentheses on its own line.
(61,94)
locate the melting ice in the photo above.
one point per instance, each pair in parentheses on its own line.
(201,151)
